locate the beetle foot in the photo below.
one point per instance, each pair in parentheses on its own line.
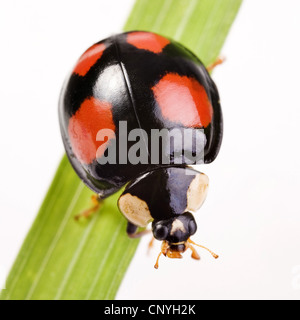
(217,62)
(150,245)
(138,234)
(89,212)
(132,231)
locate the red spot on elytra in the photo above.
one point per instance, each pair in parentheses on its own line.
(89,58)
(183,99)
(147,41)
(92,116)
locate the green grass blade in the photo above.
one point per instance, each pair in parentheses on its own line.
(201,25)
(65,259)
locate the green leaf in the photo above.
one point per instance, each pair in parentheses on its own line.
(201,25)
(65,259)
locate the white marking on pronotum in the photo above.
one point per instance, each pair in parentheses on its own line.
(197,192)
(135,210)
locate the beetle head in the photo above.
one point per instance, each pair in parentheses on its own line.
(175,230)
(175,234)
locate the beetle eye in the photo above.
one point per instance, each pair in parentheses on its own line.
(192,227)
(160,232)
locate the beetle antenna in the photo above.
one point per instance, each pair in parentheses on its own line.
(212,253)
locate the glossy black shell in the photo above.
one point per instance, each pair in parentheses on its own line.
(124,76)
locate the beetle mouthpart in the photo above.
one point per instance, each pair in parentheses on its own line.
(175,250)
(170,254)
(174,254)
(172,251)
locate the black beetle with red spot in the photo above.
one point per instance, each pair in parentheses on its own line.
(125,111)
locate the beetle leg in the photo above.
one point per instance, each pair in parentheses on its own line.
(195,254)
(218,61)
(132,231)
(96,201)
(164,250)
(150,245)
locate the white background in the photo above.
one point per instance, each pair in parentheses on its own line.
(251,216)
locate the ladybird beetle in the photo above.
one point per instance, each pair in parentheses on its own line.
(123,97)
